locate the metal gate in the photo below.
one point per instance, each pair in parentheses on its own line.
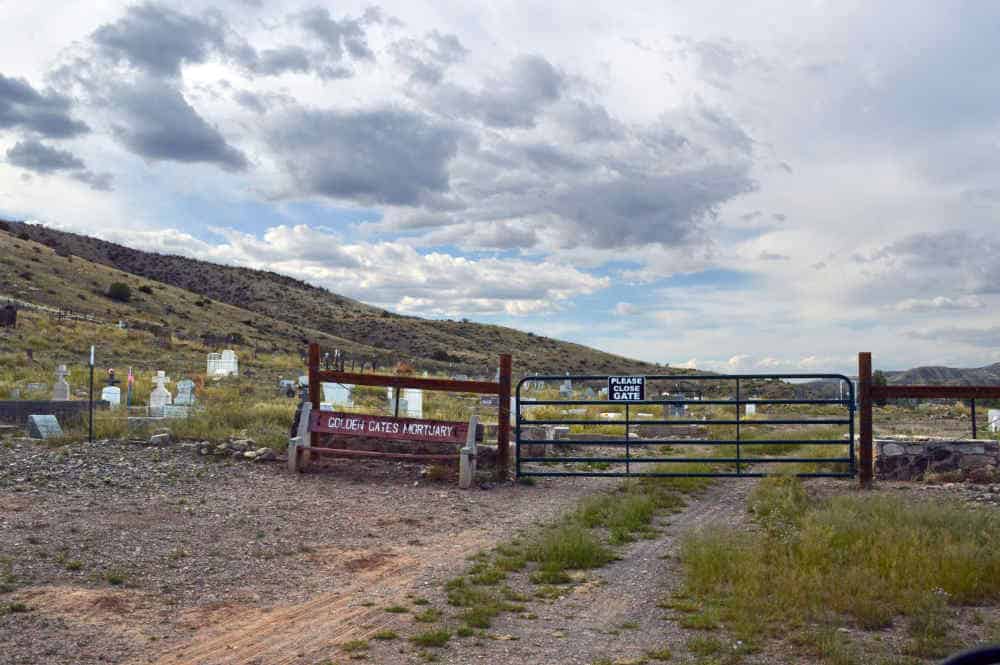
(735,437)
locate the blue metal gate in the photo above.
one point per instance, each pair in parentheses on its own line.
(635,455)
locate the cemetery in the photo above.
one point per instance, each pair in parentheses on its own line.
(371,489)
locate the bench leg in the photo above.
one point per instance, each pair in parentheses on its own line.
(293,455)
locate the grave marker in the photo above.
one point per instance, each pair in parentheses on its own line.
(160,397)
(112,395)
(60,391)
(185,393)
(44,427)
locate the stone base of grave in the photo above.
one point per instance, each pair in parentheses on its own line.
(971,460)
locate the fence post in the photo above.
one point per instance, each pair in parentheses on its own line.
(503,427)
(314,389)
(865,471)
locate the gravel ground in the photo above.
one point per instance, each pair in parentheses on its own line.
(125,553)
(122,551)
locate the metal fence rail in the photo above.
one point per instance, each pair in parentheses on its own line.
(744,465)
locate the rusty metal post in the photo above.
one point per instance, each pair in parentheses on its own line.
(314,388)
(865,471)
(503,427)
(973,407)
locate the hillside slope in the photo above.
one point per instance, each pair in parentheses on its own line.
(947,376)
(200,300)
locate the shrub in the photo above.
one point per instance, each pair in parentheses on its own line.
(120,292)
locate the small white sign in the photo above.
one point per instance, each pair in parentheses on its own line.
(626,388)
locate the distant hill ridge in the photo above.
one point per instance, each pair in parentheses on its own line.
(947,376)
(278,310)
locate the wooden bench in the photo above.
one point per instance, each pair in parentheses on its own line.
(314,426)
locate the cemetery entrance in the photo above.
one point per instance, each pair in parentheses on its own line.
(685,425)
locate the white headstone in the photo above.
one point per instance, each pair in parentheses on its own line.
(185,393)
(411,403)
(993,417)
(160,396)
(60,391)
(751,409)
(337,394)
(223,364)
(112,395)
(229,362)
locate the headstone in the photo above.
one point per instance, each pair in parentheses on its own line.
(566,389)
(112,395)
(176,411)
(751,409)
(411,403)
(160,396)
(185,393)
(993,417)
(337,394)
(37,387)
(60,391)
(229,362)
(212,365)
(15,393)
(8,317)
(43,427)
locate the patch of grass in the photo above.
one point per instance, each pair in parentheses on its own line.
(432,638)
(115,578)
(864,559)
(74,565)
(397,609)
(354,646)
(13,608)
(568,546)
(430,615)
(704,646)
(386,635)
(661,654)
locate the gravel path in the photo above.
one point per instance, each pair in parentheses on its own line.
(613,614)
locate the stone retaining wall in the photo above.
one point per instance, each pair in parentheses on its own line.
(16,412)
(973,460)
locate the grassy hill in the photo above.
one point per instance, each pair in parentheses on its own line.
(947,376)
(206,305)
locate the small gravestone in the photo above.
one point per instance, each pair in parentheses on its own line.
(36,387)
(993,417)
(15,393)
(44,427)
(160,396)
(60,391)
(751,409)
(8,317)
(185,393)
(112,395)
(338,394)
(175,411)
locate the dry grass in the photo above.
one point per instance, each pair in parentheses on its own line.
(864,561)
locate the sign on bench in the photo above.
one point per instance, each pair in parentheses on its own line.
(391,429)
(387,427)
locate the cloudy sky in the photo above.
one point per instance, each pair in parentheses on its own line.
(734,186)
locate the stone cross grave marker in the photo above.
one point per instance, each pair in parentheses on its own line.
(43,427)
(160,396)
(185,393)
(60,391)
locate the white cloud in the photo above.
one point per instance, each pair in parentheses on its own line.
(626,309)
